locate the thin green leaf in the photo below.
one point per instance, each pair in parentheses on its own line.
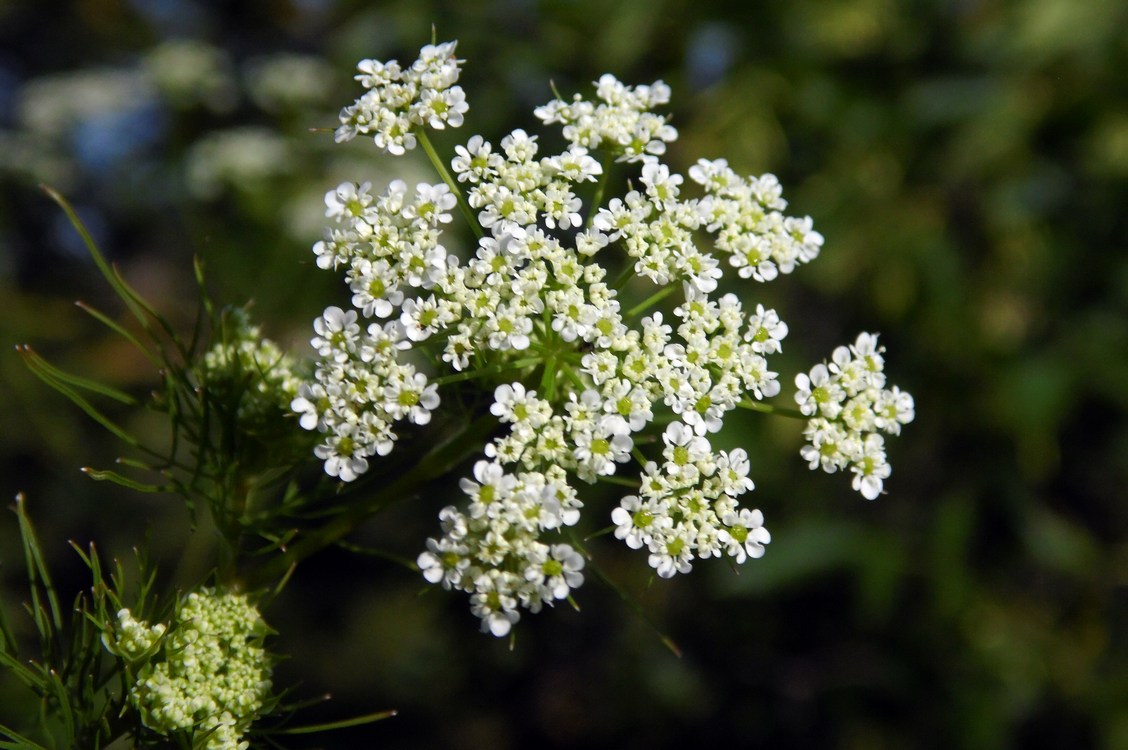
(284,580)
(78,381)
(652,300)
(107,271)
(120,330)
(137,305)
(36,567)
(440,167)
(359,549)
(108,475)
(601,532)
(204,310)
(18,741)
(58,691)
(24,672)
(343,724)
(135,463)
(440,460)
(79,401)
(769,409)
(151,311)
(7,640)
(620,481)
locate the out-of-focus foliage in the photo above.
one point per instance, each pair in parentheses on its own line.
(968,165)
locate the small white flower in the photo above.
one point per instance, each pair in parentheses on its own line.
(892,409)
(347,200)
(765,331)
(375,288)
(732,470)
(746,534)
(637,520)
(312,401)
(337,334)
(494,602)
(597,450)
(444,562)
(408,396)
(661,184)
(342,454)
(508,330)
(432,204)
(559,573)
(493,485)
(870,468)
(684,448)
(672,555)
(818,393)
(475,161)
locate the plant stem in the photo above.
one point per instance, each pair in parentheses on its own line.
(439,461)
(597,197)
(491,370)
(769,409)
(652,300)
(433,155)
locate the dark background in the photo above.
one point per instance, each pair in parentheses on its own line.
(966,162)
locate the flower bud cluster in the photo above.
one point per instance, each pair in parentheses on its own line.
(400,99)
(131,639)
(208,678)
(850,408)
(252,370)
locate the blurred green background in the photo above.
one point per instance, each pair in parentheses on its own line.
(966,161)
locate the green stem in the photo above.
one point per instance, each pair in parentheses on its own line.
(769,409)
(433,155)
(574,377)
(620,481)
(548,378)
(627,274)
(631,601)
(491,370)
(441,460)
(601,186)
(651,300)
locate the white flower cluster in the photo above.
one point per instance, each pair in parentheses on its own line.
(235,159)
(530,304)
(210,677)
(849,408)
(494,552)
(622,120)
(687,507)
(362,386)
(400,99)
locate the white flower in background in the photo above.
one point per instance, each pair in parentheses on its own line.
(237,158)
(288,81)
(189,72)
(52,105)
